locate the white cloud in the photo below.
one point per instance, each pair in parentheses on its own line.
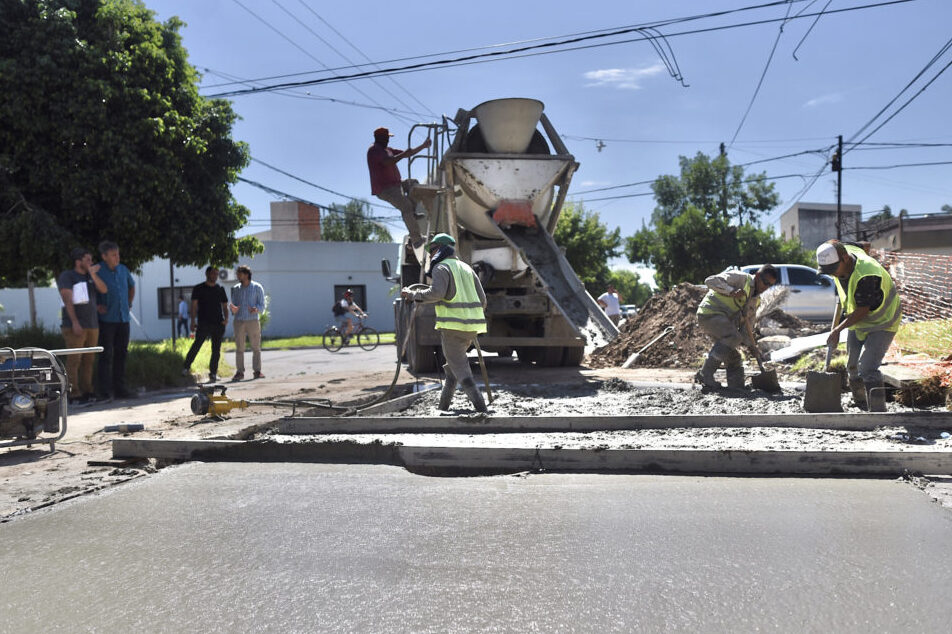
(627,78)
(824,100)
(595,183)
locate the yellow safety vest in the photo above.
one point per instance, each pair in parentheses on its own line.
(715,303)
(464,311)
(889,313)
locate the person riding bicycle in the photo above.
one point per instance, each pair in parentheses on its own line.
(348,312)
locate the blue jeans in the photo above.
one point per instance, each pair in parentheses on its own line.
(865,357)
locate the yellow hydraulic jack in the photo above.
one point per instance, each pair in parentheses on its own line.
(207,402)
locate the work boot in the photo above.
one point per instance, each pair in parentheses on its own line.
(469,386)
(705,376)
(449,386)
(876,397)
(735,377)
(858,389)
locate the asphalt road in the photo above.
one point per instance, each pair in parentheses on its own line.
(305,548)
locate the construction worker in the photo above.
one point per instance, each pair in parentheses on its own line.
(733,298)
(872,314)
(460,301)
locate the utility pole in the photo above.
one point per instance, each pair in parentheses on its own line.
(838,168)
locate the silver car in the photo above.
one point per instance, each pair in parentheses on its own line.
(812,295)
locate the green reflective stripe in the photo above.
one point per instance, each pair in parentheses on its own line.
(865,330)
(460,320)
(464,311)
(715,303)
(889,313)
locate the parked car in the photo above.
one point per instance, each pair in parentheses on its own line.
(628,310)
(812,295)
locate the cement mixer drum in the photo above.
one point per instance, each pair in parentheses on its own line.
(505,158)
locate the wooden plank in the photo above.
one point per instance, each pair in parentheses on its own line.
(445,460)
(940,421)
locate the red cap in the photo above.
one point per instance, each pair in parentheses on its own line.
(382,133)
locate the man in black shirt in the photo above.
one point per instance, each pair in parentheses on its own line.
(210,307)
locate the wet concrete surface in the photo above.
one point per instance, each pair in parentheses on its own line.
(304,548)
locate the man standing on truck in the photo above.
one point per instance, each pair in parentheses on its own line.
(460,302)
(872,315)
(732,299)
(386,183)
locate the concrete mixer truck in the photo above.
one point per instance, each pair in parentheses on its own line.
(496,183)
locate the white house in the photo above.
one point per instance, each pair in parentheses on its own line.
(301,278)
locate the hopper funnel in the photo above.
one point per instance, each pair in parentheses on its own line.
(508,124)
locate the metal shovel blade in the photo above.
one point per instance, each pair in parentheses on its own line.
(766,381)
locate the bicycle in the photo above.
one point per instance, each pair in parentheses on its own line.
(367,338)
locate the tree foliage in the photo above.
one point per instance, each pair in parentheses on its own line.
(103,135)
(352,223)
(630,287)
(705,221)
(588,245)
(716,188)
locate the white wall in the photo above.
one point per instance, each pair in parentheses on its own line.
(299,277)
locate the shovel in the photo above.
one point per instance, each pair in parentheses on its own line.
(823,388)
(767,379)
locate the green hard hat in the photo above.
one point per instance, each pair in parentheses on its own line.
(442,238)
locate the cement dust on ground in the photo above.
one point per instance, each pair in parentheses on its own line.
(33,478)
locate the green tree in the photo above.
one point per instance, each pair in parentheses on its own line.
(352,223)
(714,187)
(947,209)
(884,214)
(631,288)
(588,245)
(103,135)
(705,220)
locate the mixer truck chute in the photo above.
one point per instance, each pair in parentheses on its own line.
(498,189)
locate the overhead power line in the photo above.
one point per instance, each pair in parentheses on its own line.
(537,49)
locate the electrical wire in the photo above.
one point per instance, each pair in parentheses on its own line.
(306,52)
(763,75)
(362,54)
(850,144)
(524,51)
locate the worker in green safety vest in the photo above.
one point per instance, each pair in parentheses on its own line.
(733,297)
(871,312)
(460,302)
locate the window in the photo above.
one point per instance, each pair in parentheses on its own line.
(360,293)
(802,277)
(169,308)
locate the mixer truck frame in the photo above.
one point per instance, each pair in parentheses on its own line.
(497,185)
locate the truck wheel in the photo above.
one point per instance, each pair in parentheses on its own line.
(527,355)
(572,356)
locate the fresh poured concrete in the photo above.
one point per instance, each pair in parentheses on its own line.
(305,547)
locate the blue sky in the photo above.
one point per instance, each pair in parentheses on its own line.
(847,67)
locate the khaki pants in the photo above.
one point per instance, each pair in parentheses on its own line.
(252,329)
(395,196)
(79,367)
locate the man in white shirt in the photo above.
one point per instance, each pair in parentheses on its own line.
(610,301)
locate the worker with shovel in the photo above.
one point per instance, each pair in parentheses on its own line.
(732,300)
(460,301)
(872,313)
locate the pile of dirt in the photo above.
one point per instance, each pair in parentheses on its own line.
(786,320)
(684,346)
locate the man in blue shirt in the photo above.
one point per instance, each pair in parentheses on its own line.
(113,308)
(247,304)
